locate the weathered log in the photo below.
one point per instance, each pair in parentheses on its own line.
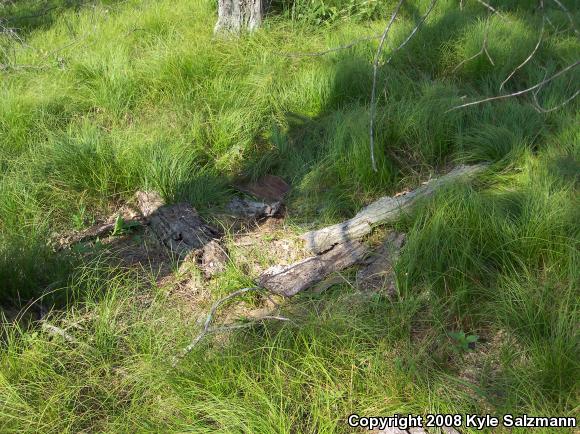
(292,279)
(384,210)
(179,227)
(253,210)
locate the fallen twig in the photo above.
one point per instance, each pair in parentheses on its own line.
(521,92)
(541,109)
(569,15)
(374,88)
(521,65)
(483,49)
(207,323)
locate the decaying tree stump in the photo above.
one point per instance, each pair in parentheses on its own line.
(292,279)
(237,15)
(386,209)
(179,227)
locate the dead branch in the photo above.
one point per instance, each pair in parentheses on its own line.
(209,318)
(384,210)
(541,109)
(483,49)
(491,8)
(366,39)
(410,36)
(521,65)
(374,88)
(569,15)
(521,92)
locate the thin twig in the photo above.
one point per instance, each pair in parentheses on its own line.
(527,58)
(483,49)
(521,92)
(490,7)
(206,325)
(243,325)
(569,15)
(374,89)
(541,109)
(365,39)
(559,106)
(419,23)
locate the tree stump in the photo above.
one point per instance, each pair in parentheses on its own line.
(237,15)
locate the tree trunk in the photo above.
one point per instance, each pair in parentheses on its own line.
(237,15)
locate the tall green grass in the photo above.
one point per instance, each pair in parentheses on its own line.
(107,98)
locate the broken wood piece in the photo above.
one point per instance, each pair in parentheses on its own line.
(57,331)
(384,210)
(268,187)
(148,202)
(101,229)
(253,210)
(213,259)
(291,279)
(179,227)
(379,274)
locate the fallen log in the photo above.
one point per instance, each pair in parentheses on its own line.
(291,279)
(384,210)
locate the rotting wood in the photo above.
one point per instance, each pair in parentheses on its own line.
(253,210)
(291,279)
(269,187)
(384,210)
(379,275)
(179,227)
(213,259)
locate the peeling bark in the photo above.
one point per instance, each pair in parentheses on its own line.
(292,279)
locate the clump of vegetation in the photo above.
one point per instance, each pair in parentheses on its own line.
(102,99)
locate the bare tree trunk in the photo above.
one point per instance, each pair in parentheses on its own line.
(237,15)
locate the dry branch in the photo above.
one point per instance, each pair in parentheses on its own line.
(483,50)
(521,65)
(541,109)
(207,329)
(374,88)
(569,15)
(384,210)
(292,279)
(521,92)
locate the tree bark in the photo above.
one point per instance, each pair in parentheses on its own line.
(237,15)
(292,279)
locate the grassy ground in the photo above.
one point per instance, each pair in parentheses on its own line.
(98,100)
